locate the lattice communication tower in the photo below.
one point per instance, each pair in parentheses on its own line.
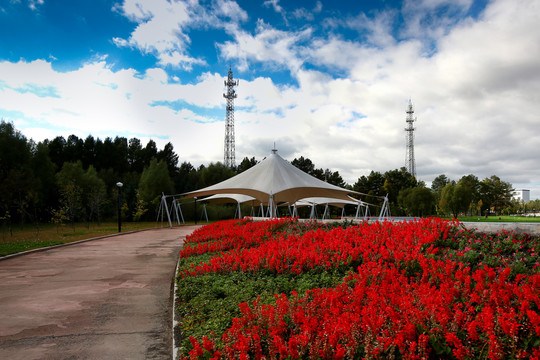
(230,95)
(410,163)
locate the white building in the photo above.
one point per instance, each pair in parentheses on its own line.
(522,195)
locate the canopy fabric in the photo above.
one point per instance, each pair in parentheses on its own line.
(326,201)
(272,181)
(230,198)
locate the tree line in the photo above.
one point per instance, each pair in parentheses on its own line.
(408,196)
(468,196)
(74,180)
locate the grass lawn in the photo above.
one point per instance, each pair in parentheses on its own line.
(49,234)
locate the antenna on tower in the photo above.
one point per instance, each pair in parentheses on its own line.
(410,163)
(230,95)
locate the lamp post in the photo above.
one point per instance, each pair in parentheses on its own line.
(195,216)
(119,185)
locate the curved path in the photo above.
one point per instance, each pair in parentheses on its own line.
(109,298)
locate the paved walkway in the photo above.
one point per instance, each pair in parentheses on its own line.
(104,299)
(517,227)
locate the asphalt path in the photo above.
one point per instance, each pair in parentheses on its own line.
(103,299)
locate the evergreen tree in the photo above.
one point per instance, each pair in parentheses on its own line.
(70,182)
(16,175)
(304,164)
(169,157)
(215,173)
(246,164)
(135,155)
(186,178)
(44,172)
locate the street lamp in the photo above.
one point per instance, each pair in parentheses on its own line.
(119,184)
(195,216)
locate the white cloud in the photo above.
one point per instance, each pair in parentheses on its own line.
(231,10)
(480,90)
(33,4)
(92,100)
(298,13)
(431,19)
(161,30)
(274,4)
(378,28)
(163,27)
(177,59)
(267,46)
(303,14)
(476,95)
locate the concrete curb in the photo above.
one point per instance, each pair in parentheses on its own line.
(174,319)
(10,256)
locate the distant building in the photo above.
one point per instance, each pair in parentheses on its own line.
(522,195)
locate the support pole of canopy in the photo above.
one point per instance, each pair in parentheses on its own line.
(357,210)
(343,212)
(312,214)
(325,211)
(160,211)
(204,213)
(385,212)
(271,206)
(165,209)
(366,213)
(174,207)
(179,211)
(174,212)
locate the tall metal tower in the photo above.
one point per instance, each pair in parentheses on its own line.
(410,163)
(229,157)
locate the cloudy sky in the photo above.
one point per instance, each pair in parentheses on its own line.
(327,80)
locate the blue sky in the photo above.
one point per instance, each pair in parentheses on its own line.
(328,80)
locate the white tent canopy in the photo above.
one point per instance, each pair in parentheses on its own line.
(230,198)
(326,201)
(313,201)
(273,181)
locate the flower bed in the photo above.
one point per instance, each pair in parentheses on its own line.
(414,290)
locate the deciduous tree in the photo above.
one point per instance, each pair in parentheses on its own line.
(154,181)
(455,198)
(417,201)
